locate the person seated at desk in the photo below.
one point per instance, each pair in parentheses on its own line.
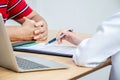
(105,43)
(33,26)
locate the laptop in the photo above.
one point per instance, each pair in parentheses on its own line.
(22,62)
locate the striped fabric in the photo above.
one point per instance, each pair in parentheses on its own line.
(14,9)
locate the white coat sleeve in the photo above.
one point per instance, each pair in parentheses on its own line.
(105,43)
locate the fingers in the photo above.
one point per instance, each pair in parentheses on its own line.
(41,31)
(36,32)
(42,27)
(59,38)
(39,38)
(67,34)
(40,23)
(42,36)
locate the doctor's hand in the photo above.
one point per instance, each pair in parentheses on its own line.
(41,32)
(72,37)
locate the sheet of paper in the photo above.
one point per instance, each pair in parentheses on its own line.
(55,48)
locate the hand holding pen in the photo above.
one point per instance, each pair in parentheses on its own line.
(69,35)
(61,36)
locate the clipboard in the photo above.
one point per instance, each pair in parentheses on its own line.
(41,48)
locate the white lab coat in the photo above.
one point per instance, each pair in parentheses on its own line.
(105,43)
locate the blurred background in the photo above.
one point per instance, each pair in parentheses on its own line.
(83,15)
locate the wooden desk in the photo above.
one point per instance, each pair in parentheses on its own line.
(72,73)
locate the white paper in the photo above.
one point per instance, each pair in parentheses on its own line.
(55,48)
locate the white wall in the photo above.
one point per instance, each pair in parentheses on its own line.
(82,15)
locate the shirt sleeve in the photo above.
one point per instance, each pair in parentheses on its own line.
(18,9)
(105,43)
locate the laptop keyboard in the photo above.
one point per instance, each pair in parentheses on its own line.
(26,64)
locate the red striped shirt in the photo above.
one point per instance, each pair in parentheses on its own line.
(14,9)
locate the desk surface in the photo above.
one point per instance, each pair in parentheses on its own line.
(72,73)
